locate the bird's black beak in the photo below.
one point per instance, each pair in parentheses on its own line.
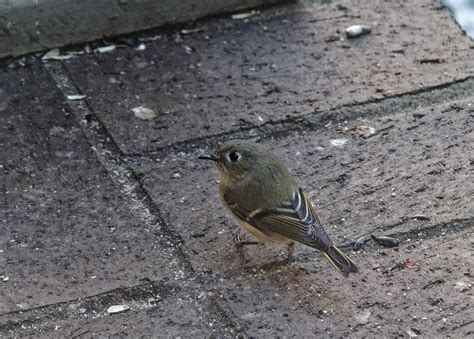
(212,157)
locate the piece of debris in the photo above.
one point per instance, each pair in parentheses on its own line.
(87,49)
(4,278)
(420,217)
(79,332)
(176,175)
(462,286)
(386,241)
(411,333)
(398,266)
(338,142)
(245,122)
(332,38)
(362,131)
(54,54)
(433,283)
(117,309)
(418,115)
(434,302)
(105,49)
(144,113)
(76,97)
(362,318)
(399,50)
(361,241)
(409,263)
(431,61)
(198,235)
(194,30)
(271,90)
(241,16)
(140,47)
(357,30)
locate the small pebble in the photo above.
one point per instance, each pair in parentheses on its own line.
(462,286)
(140,47)
(362,318)
(386,241)
(241,16)
(117,309)
(357,30)
(54,54)
(144,113)
(338,142)
(76,97)
(105,49)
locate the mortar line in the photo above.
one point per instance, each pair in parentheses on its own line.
(83,300)
(111,157)
(315,119)
(459,225)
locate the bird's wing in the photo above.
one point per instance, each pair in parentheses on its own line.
(294,219)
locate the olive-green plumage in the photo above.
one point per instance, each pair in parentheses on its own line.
(261,193)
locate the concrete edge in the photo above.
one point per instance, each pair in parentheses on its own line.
(28,26)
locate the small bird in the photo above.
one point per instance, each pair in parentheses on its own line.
(257,188)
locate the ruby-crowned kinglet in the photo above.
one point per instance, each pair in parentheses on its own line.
(258,190)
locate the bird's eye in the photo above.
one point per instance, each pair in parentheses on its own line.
(234,156)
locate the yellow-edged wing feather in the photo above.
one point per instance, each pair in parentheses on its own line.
(296,220)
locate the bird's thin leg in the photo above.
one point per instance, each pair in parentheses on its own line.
(239,244)
(290,249)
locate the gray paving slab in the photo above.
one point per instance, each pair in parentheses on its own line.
(66,229)
(414,173)
(284,62)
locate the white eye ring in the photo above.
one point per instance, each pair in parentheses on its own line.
(234,156)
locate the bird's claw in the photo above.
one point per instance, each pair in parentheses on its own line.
(240,242)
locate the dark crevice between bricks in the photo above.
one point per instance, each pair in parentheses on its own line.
(101,139)
(170,234)
(226,315)
(95,304)
(414,100)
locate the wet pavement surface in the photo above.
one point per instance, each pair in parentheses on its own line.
(101,208)
(283,63)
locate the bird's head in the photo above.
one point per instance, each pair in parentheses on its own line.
(237,157)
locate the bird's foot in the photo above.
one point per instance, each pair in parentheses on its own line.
(290,249)
(240,242)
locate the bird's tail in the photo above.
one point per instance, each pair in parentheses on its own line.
(340,260)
